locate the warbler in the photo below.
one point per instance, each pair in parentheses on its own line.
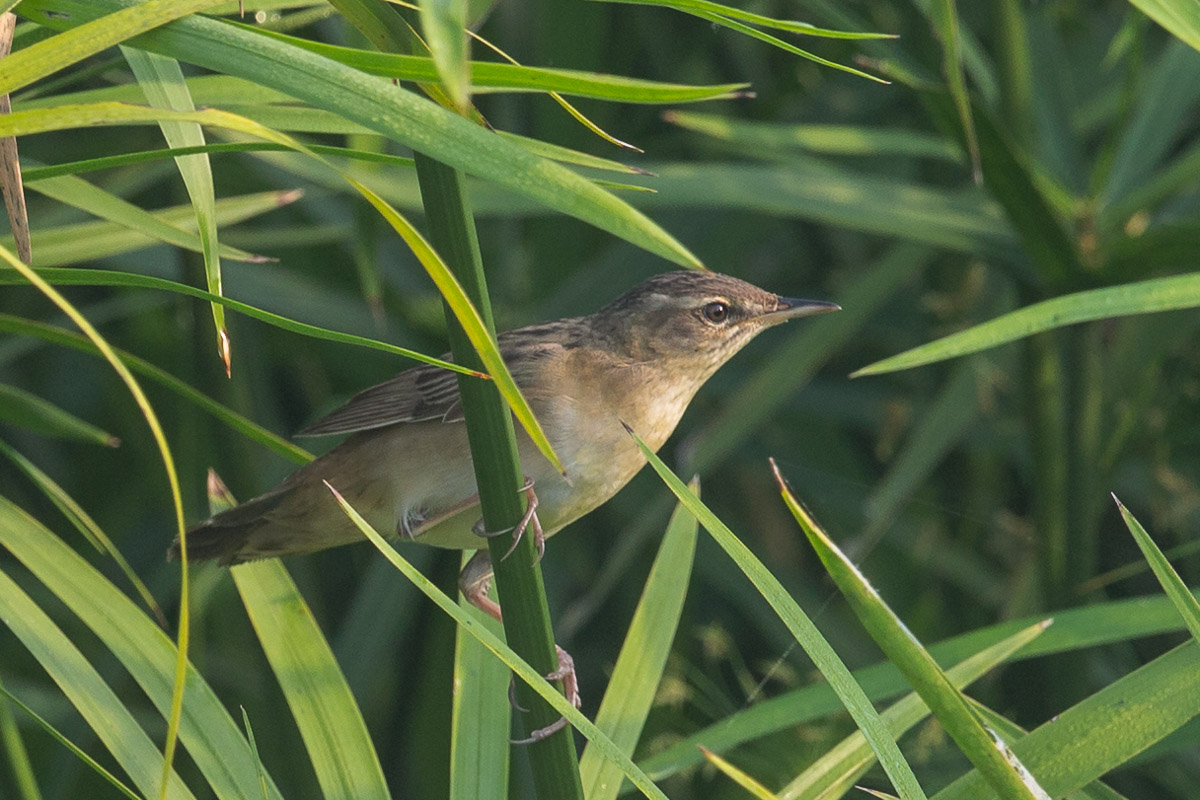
(406,466)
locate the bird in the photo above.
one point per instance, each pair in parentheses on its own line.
(406,465)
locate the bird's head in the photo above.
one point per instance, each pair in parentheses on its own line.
(694,321)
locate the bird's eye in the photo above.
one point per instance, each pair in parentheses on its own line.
(716,313)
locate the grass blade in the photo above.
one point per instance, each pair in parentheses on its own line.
(1172,584)
(1180,17)
(164,451)
(740,777)
(1001,768)
(802,628)
(1104,731)
(248,428)
(834,773)
(206,729)
(514,662)
(1142,297)
(26,410)
(325,711)
(162,80)
(639,667)
(112,722)
(386,109)
(444,23)
(98,277)
(46,57)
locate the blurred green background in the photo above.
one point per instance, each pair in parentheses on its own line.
(970,492)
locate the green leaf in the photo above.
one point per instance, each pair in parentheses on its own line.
(206,729)
(481,719)
(339,747)
(643,657)
(46,57)
(1002,769)
(83,522)
(444,24)
(387,109)
(802,628)
(96,277)
(1073,630)
(162,80)
(692,6)
(95,701)
(1172,584)
(760,138)
(251,430)
(834,773)
(738,776)
(1143,297)
(70,244)
(96,201)
(945,22)
(1107,729)
(1180,17)
(469,318)
(514,662)
(25,410)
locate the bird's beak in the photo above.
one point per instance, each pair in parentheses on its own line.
(792,307)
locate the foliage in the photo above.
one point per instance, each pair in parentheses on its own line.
(1010,225)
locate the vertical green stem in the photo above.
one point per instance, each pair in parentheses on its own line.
(497,473)
(1051,458)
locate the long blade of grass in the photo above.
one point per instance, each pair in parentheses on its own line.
(639,667)
(164,451)
(71,244)
(1143,297)
(21,768)
(325,711)
(757,19)
(842,140)
(1180,17)
(29,790)
(83,522)
(96,702)
(105,205)
(1104,731)
(387,109)
(479,749)
(1073,630)
(503,652)
(161,78)
(206,728)
(802,628)
(834,773)
(738,776)
(488,76)
(1172,584)
(46,57)
(96,277)
(444,23)
(945,22)
(1000,767)
(248,428)
(26,410)
(469,318)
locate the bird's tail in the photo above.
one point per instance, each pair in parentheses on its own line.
(226,537)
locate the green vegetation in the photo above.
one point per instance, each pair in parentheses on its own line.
(1005,199)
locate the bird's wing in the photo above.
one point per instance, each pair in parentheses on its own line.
(415,395)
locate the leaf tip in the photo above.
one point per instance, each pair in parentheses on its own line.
(226,353)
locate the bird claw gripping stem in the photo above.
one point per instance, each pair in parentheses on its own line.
(528,520)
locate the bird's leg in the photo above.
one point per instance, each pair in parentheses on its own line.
(528,519)
(474,582)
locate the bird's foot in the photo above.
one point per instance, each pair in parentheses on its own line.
(570,684)
(528,520)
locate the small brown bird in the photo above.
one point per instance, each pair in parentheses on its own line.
(407,467)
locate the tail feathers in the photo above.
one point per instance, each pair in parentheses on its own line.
(225,537)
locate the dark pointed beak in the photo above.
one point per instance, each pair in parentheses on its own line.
(792,307)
